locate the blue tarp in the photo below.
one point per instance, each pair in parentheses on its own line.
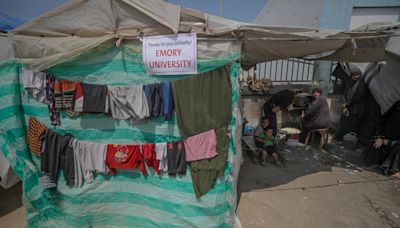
(8,22)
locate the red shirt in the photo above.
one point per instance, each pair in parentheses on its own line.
(124,157)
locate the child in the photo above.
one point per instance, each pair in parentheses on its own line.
(268,140)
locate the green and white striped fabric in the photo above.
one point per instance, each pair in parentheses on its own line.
(128,199)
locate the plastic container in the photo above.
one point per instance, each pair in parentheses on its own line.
(292,139)
(350,141)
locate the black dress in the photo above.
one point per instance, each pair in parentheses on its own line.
(371,121)
(389,129)
(355,98)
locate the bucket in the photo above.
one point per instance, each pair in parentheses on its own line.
(292,139)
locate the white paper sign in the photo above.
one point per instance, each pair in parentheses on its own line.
(170,54)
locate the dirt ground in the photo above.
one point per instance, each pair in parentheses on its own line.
(314,188)
(317,188)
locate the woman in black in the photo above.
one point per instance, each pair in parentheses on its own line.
(385,148)
(276,103)
(354,104)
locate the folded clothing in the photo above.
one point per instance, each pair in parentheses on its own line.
(124,157)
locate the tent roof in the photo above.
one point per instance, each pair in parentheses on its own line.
(80,25)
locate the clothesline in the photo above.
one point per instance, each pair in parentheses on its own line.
(82,159)
(134,102)
(203,94)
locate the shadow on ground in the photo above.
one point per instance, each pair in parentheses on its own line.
(10,199)
(297,161)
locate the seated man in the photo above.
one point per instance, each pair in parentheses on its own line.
(316,116)
(265,140)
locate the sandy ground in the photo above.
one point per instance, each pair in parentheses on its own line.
(314,188)
(317,189)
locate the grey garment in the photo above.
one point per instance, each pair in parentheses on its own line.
(57,155)
(176,157)
(154,96)
(161,156)
(383,82)
(79,156)
(94,98)
(128,102)
(95,156)
(317,115)
(89,158)
(35,84)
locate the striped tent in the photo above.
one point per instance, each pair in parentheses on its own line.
(127,199)
(78,42)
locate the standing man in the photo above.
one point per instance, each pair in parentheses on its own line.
(276,103)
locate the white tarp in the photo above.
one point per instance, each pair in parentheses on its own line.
(83,24)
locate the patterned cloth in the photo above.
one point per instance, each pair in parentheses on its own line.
(64,94)
(36,131)
(54,115)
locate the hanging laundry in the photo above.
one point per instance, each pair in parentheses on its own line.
(201,146)
(161,156)
(36,130)
(128,102)
(89,159)
(150,157)
(154,96)
(168,100)
(124,157)
(176,158)
(94,98)
(64,94)
(79,163)
(57,155)
(208,107)
(78,102)
(35,84)
(54,115)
